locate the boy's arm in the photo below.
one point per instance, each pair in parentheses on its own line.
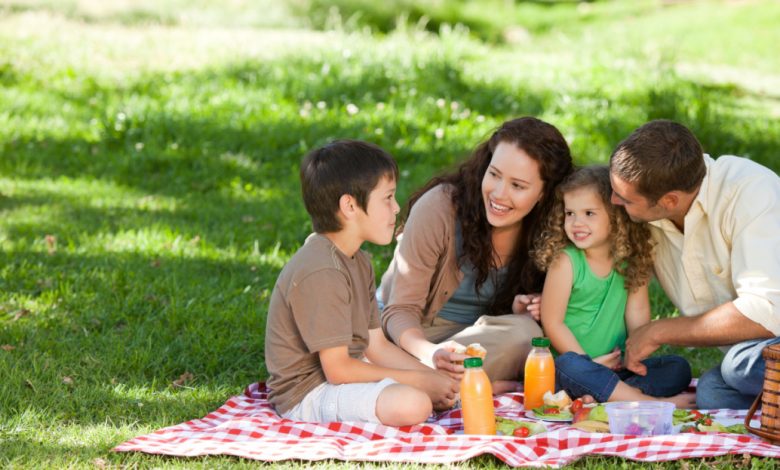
(383,353)
(340,368)
(637,309)
(555,299)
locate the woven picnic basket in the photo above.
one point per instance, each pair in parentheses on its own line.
(769,398)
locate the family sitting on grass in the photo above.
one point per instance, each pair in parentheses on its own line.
(512,237)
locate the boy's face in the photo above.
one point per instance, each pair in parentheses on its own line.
(377,224)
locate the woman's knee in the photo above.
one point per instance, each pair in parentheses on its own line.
(403,405)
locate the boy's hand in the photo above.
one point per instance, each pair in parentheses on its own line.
(445,359)
(528,303)
(440,388)
(610,360)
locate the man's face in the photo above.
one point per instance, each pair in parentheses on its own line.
(638,207)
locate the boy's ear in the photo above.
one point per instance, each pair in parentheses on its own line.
(347,206)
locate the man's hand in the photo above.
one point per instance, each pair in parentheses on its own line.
(640,345)
(610,360)
(445,359)
(528,303)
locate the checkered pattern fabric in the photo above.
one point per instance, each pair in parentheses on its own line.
(247,426)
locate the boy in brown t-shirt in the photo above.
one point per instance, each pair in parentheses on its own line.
(325,352)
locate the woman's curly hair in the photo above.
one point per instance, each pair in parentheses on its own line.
(632,248)
(545,144)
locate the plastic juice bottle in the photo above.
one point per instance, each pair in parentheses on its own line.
(476,397)
(539,373)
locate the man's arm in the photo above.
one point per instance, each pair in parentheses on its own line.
(721,326)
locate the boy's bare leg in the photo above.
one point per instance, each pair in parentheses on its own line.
(402,405)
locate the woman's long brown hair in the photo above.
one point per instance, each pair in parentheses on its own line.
(545,144)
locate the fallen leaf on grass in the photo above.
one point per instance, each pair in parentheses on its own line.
(100,463)
(51,244)
(30,385)
(67,380)
(183,379)
(7,347)
(20,313)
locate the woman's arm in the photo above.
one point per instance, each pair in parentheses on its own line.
(418,259)
(555,300)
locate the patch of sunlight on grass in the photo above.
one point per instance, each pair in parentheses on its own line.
(55,42)
(89,192)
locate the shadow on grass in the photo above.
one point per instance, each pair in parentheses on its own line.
(127,320)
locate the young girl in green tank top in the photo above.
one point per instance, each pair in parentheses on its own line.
(598,265)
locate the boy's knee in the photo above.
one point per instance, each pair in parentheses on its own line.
(402,405)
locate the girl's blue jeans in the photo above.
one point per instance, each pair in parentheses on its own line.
(738,380)
(579,375)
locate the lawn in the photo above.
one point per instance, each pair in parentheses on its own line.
(149,154)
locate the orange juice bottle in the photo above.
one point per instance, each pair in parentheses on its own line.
(539,373)
(476,398)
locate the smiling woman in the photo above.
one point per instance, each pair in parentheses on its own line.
(461,272)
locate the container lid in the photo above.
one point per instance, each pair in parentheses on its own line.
(472,362)
(540,342)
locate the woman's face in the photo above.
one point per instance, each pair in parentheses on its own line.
(511,187)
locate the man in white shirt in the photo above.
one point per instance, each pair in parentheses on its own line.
(716,224)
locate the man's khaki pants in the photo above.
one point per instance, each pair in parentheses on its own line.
(507,339)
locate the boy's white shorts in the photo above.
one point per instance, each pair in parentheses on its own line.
(347,402)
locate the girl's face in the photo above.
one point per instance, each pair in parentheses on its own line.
(511,187)
(586,220)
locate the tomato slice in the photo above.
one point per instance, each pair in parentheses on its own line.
(576,405)
(521,432)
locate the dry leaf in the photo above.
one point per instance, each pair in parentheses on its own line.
(21,313)
(155,263)
(51,244)
(30,385)
(67,380)
(195,240)
(7,347)
(183,379)
(100,463)
(746,459)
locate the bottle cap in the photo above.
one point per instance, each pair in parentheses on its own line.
(472,362)
(540,342)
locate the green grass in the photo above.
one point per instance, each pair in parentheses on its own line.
(149,155)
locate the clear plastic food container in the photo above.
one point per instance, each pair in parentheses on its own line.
(640,418)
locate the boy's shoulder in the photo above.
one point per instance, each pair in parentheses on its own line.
(318,255)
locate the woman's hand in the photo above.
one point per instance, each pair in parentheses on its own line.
(610,360)
(448,361)
(528,303)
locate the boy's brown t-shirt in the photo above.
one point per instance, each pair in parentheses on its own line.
(322,299)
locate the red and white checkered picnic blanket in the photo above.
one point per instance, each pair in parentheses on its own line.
(247,426)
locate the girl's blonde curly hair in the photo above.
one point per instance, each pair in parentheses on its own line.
(632,248)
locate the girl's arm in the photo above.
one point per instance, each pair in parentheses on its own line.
(555,299)
(637,309)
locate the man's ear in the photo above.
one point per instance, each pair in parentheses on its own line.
(347,206)
(670,201)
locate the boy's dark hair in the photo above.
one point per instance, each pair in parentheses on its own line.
(341,167)
(659,157)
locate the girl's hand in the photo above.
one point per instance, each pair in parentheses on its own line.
(528,303)
(448,361)
(610,360)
